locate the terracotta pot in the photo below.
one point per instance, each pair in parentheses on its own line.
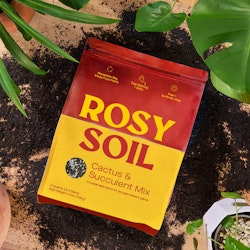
(25,12)
(5,213)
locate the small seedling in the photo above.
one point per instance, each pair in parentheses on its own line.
(231,242)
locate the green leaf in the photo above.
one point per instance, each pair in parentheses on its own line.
(70,15)
(193,226)
(225,89)
(39,37)
(232,195)
(233,244)
(214,23)
(26,35)
(75,4)
(17,53)
(10,87)
(157,17)
(227,222)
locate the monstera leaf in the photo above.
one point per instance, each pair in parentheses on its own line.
(157,17)
(215,23)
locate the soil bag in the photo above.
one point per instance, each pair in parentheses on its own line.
(122,135)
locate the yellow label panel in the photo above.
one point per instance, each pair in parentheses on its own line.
(110,172)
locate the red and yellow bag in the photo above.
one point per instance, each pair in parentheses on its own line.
(122,135)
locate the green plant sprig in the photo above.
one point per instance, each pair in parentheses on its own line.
(158,17)
(62,13)
(10,87)
(7,84)
(8,10)
(231,242)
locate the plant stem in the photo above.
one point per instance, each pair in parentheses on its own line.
(216,242)
(236,218)
(173,4)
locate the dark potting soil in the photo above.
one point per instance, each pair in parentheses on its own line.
(216,159)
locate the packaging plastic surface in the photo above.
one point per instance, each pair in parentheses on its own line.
(122,135)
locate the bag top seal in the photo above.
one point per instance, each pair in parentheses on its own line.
(162,65)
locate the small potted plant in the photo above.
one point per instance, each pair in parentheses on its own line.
(28,33)
(226,223)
